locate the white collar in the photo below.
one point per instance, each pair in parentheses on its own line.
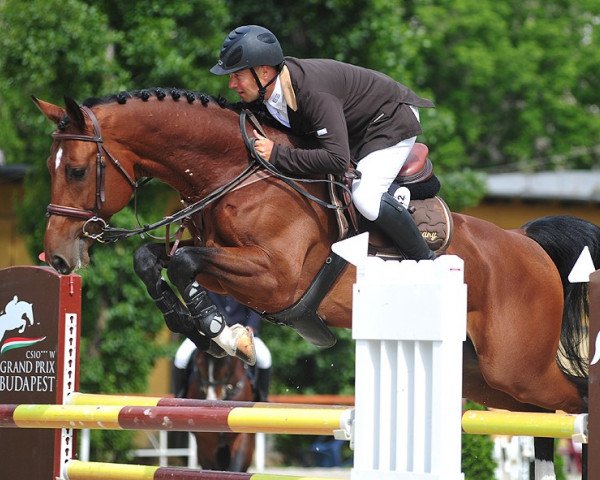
(277,100)
(277,105)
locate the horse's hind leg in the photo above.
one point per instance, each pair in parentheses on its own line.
(517,348)
(475,388)
(544,458)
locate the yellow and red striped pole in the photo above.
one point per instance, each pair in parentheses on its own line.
(308,421)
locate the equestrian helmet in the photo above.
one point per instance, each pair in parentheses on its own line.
(248,46)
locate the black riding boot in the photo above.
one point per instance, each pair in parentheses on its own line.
(262,381)
(180,381)
(398,224)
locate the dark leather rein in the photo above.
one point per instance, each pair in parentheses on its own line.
(110,234)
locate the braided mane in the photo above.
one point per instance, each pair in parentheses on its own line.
(160,93)
(178,94)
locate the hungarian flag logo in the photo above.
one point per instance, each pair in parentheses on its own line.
(19,342)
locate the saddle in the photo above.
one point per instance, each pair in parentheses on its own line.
(431,214)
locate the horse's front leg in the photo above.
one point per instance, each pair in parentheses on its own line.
(183,267)
(149,260)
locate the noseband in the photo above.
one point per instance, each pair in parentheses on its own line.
(91,216)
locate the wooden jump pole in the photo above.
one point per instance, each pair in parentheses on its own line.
(594,378)
(76,470)
(77,398)
(551,425)
(295,421)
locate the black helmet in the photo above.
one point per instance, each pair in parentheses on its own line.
(248,46)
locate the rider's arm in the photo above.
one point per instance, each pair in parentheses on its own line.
(324,116)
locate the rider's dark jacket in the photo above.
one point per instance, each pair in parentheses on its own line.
(349,111)
(235,312)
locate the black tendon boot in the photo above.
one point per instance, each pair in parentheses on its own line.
(180,381)
(235,340)
(398,224)
(205,315)
(262,381)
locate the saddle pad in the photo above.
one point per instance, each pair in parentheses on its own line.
(434,220)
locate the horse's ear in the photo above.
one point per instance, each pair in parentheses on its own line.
(74,112)
(51,112)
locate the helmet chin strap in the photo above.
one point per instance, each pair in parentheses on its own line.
(262,89)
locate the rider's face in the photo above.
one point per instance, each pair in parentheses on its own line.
(244,84)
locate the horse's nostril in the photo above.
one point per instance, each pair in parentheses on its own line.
(60,265)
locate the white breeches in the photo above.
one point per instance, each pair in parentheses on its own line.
(187,347)
(378,170)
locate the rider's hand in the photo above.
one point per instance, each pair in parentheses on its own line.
(263,146)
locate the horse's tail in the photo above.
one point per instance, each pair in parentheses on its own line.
(563,238)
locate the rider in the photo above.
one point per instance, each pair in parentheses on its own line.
(351,112)
(234,313)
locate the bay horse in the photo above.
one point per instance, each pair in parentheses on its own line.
(222,378)
(263,243)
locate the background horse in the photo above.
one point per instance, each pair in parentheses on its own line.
(263,243)
(223,378)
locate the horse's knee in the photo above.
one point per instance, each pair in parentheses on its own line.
(183,267)
(147,263)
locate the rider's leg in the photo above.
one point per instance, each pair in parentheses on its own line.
(369,194)
(262,380)
(180,372)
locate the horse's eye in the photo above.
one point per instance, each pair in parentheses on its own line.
(75,173)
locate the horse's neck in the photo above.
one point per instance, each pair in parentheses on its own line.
(196,151)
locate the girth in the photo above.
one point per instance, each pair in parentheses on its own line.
(303,316)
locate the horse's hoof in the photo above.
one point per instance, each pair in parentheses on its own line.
(244,344)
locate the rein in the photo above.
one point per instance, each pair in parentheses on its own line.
(110,234)
(291,181)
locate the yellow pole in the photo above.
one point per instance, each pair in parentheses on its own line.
(102,399)
(67,416)
(494,422)
(76,470)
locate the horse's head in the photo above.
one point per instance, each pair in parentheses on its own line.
(219,378)
(80,168)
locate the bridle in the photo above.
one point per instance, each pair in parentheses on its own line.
(108,234)
(229,388)
(91,216)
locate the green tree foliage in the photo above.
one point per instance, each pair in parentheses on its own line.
(167,44)
(43,54)
(517,78)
